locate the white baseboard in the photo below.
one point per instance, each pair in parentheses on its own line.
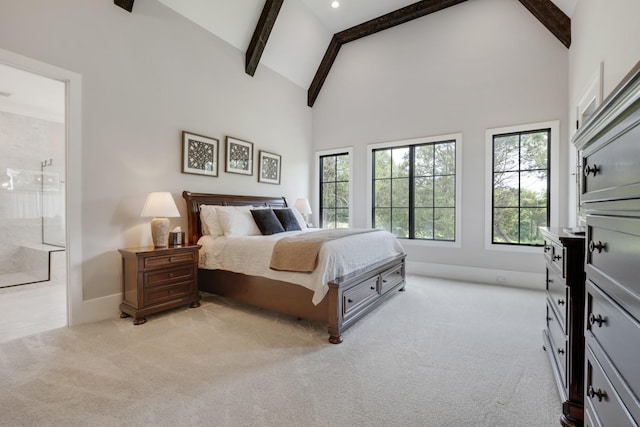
(95,310)
(493,276)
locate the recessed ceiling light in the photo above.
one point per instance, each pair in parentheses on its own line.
(335,4)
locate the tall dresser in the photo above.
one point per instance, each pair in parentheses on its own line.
(564,332)
(609,146)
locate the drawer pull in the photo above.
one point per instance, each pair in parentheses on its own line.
(549,318)
(557,257)
(373,287)
(597,319)
(349,300)
(560,302)
(597,246)
(600,394)
(560,351)
(591,169)
(547,248)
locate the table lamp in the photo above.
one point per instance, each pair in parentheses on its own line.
(304,208)
(161,207)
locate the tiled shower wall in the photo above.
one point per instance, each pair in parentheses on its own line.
(26,142)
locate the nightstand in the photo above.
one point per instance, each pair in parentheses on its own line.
(157,279)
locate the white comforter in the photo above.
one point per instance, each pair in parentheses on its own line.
(251,255)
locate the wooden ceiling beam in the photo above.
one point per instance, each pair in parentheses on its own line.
(261,35)
(391,19)
(125,4)
(551,17)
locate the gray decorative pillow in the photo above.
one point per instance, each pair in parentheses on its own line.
(287,219)
(267,221)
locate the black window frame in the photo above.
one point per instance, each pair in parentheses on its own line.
(321,192)
(411,235)
(548,131)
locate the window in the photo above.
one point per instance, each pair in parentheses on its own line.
(334,190)
(520,186)
(414,188)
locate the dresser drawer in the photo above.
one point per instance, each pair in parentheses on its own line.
(558,343)
(391,278)
(602,401)
(359,295)
(610,169)
(613,258)
(168,260)
(168,293)
(616,333)
(555,257)
(162,277)
(558,296)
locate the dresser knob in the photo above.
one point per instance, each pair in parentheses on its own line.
(349,300)
(557,257)
(560,302)
(597,319)
(593,393)
(560,351)
(597,246)
(591,170)
(547,248)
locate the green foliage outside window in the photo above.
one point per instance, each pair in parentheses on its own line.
(334,191)
(414,190)
(520,187)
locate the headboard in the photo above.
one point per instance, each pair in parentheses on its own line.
(194,200)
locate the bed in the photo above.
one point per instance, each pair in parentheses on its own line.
(348,298)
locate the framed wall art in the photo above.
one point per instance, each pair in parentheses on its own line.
(269,167)
(239,156)
(199,154)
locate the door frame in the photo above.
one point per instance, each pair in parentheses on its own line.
(73,213)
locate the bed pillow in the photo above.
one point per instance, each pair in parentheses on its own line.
(267,221)
(209,220)
(237,221)
(288,219)
(300,218)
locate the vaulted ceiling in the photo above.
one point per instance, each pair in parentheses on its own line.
(299,39)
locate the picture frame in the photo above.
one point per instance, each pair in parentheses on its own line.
(270,165)
(239,156)
(199,154)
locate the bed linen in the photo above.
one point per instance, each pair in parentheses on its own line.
(251,255)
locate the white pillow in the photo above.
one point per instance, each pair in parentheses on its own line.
(237,221)
(300,218)
(210,221)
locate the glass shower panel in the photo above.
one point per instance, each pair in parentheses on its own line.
(32,194)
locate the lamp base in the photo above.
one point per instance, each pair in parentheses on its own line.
(160,232)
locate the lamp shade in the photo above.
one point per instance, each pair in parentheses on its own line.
(303,206)
(160,205)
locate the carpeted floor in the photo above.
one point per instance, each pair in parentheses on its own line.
(442,353)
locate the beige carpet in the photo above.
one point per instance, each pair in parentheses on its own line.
(440,354)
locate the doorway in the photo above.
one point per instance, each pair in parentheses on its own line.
(33,266)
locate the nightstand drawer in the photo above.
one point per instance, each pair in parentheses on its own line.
(168,293)
(167,260)
(162,277)
(558,343)
(557,294)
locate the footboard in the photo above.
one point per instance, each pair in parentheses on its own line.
(354,295)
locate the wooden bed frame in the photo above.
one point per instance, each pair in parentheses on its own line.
(349,297)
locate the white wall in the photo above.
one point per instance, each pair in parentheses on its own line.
(478,65)
(147,76)
(604,33)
